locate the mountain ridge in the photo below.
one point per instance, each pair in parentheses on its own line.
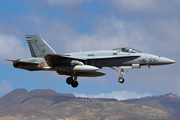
(47,104)
(167,102)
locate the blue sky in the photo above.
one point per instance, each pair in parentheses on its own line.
(72,25)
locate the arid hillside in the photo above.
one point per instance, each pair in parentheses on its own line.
(49,105)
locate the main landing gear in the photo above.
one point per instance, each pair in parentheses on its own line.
(72,81)
(121,73)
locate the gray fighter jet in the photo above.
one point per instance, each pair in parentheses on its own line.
(84,64)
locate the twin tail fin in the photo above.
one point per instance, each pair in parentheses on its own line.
(38,47)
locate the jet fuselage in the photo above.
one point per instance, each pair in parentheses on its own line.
(84,64)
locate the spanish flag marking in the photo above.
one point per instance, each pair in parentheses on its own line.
(42,64)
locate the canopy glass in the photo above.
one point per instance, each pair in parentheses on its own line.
(127,49)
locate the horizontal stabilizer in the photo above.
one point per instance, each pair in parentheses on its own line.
(10,60)
(22,62)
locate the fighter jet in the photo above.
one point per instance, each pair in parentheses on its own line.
(84,64)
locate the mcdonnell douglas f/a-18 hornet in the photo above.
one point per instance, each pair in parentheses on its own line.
(84,64)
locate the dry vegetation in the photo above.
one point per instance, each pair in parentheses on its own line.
(48,105)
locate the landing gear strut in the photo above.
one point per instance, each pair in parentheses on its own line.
(72,82)
(121,73)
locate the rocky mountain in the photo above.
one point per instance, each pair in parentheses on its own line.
(49,105)
(168,102)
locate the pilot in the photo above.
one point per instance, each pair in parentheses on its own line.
(123,49)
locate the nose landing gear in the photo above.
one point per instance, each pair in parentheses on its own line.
(72,81)
(121,73)
(121,79)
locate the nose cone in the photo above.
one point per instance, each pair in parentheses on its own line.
(164,61)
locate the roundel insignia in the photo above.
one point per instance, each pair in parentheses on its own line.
(42,64)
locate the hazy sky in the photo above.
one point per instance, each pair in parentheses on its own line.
(151,26)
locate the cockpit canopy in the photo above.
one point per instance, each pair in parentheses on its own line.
(127,49)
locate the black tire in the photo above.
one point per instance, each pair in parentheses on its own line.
(69,80)
(74,84)
(121,80)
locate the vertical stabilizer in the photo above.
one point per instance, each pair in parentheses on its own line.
(38,47)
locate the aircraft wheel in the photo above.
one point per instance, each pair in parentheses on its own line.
(74,84)
(69,80)
(121,80)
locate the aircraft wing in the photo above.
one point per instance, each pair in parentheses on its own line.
(51,59)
